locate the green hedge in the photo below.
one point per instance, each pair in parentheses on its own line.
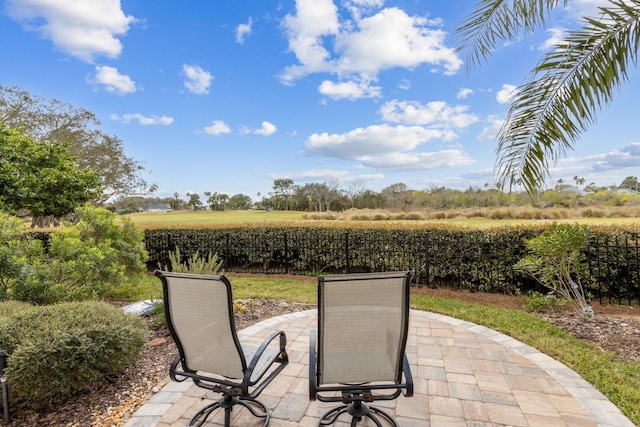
(477,260)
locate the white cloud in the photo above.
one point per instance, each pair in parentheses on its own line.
(557,34)
(325,175)
(506,94)
(83,29)
(437,114)
(464,93)
(314,20)
(387,147)
(358,7)
(112,80)
(490,131)
(197,80)
(419,161)
(361,47)
(390,39)
(143,120)
(243,30)
(404,84)
(580,8)
(349,90)
(266,129)
(625,157)
(218,127)
(313,175)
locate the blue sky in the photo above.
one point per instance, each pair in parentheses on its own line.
(226,96)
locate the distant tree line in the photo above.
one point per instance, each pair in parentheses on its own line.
(330,196)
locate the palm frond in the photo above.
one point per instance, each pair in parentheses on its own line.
(567,88)
(494,20)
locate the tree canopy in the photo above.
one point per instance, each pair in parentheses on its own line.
(49,121)
(564,91)
(43,179)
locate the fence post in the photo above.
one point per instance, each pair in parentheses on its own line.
(226,250)
(5,388)
(637,275)
(427,257)
(286,253)
(346,250)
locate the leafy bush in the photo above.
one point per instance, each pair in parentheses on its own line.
(556,260)
(60,350)
(10,308)
(538,302)
(195,263)
(21,260)
(94,257)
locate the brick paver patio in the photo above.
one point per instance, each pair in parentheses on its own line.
(464,375)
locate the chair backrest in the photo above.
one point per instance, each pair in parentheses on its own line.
(363,321)
(199,312)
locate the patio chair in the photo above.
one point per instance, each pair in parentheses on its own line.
(357,355)
(199,313)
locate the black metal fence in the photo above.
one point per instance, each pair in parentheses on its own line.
(473,261)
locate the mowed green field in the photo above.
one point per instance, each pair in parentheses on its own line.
(208,217)
(188,218)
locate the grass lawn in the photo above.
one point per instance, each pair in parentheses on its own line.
(258,217)
(208,217)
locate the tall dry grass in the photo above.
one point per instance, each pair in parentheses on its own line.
(500,213)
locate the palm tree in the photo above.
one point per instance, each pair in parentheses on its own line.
(565,90)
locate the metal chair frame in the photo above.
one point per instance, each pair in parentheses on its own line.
(356,398)
(243,392)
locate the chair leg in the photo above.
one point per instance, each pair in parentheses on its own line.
(382,414)
(332,416)
(201,416)
(357,410)
(228,402)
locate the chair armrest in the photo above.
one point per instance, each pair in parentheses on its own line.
(406,371)
(313,368)
(177,376)
(281,358)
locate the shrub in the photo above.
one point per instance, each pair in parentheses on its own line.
(414,216)
(92,258)
(535,301)
(556,261)
(34,284)
(10,308)
(593,213)
(20,260)
(60,350)
(195,263)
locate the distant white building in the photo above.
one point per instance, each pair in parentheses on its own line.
(156,207)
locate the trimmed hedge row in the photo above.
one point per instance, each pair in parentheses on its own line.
(477,260)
